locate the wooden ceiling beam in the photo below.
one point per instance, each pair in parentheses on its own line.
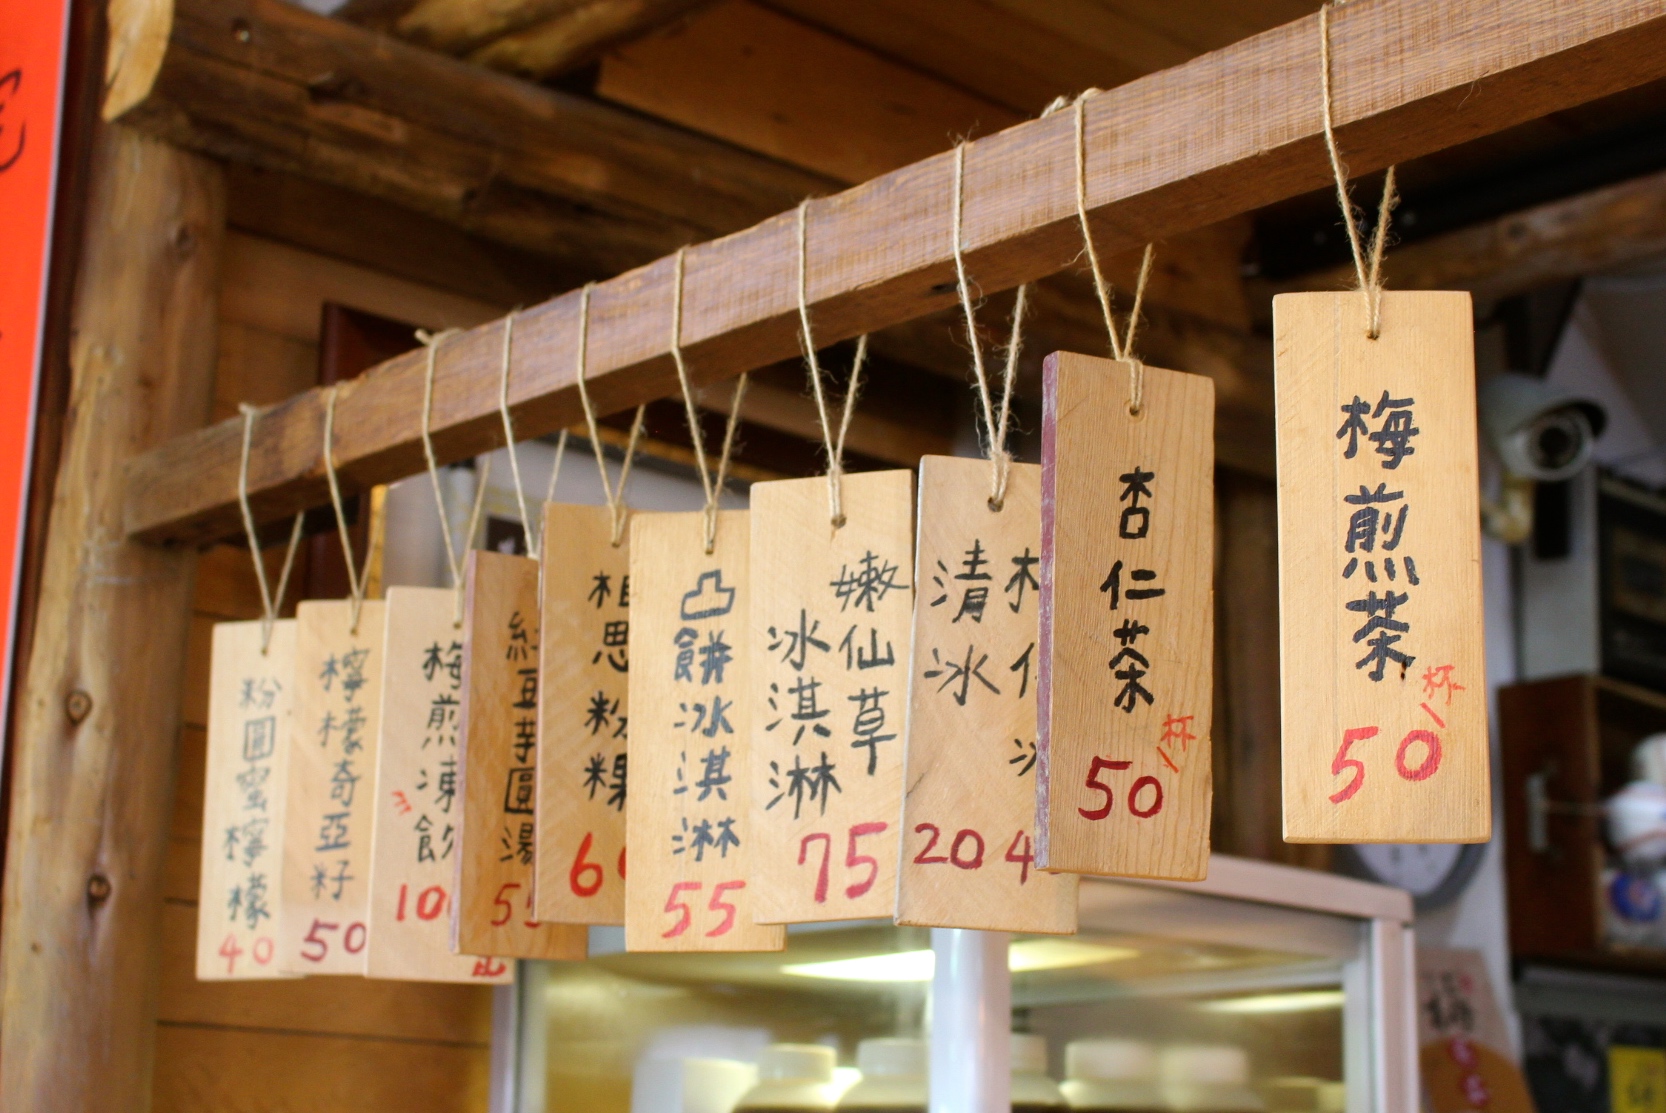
(1223,134)
(272,85)
(578,36)
(1555,242)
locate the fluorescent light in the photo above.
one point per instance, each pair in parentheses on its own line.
(898,966)
(918,966)
(1060,954)
(1304,1001)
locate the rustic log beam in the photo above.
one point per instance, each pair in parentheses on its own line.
(1223,134)
(272,85)
(1555,242)
(98,710)
(578,35)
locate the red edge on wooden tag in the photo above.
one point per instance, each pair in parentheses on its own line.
(1044,666)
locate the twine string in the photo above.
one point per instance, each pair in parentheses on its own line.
(534,541)
(270,604)
(618,511)
(713,490)
(453,556)
(1368,274)
(355,574)
(834,445)
(1122,345)
(994,429)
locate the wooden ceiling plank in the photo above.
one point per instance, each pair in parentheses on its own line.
(973,44)
(771,84)
(1223,134)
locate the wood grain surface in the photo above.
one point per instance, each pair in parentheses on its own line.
(831,610)
(331,788)
(1127,658)
(583,713)
(692,882)
(251,730)
(969,815)
(498,763)
(1381,636)
(417,806)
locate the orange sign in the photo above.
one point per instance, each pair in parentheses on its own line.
(32,37)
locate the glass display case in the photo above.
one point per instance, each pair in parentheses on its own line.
(1262,988)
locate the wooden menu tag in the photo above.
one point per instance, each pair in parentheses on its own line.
(1126,668)
(497,756)
(968,817)
(250,706)
(582,715)
(418,809)
(829,690)
(1384,683)
(332,788)
(689,816)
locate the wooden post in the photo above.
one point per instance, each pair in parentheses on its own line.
(98,713)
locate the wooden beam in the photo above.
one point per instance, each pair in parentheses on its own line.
(1554,242)
(92,789)
(578,36)
(270,84)
(1225,133)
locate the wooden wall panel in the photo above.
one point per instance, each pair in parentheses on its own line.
(317,1045)
(203,1067)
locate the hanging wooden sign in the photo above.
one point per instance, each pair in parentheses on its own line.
(1384,683)
(1126,667)
(332,786)
(497,754)
(418,810)
(691,886)
(250,724)
(968,819)
(582,718)
(829,689)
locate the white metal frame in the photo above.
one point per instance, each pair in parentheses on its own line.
(972,995)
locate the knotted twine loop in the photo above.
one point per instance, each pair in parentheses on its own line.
(617,509)
(995,428)
(534,542)
(835,446)
(269,604)
(355,575)
(1369,275)
(1122,348)
(453,556)
(713,489)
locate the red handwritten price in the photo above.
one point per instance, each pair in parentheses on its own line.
(716,904)
(508,913)
(430,903)
(853,860)
(1145,797)
(315,946)
(261,951)
(585,877)
(1429,764)
(966,850)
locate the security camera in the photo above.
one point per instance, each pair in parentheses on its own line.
(1539,431)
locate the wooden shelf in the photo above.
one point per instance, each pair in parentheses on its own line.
(1576,733)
